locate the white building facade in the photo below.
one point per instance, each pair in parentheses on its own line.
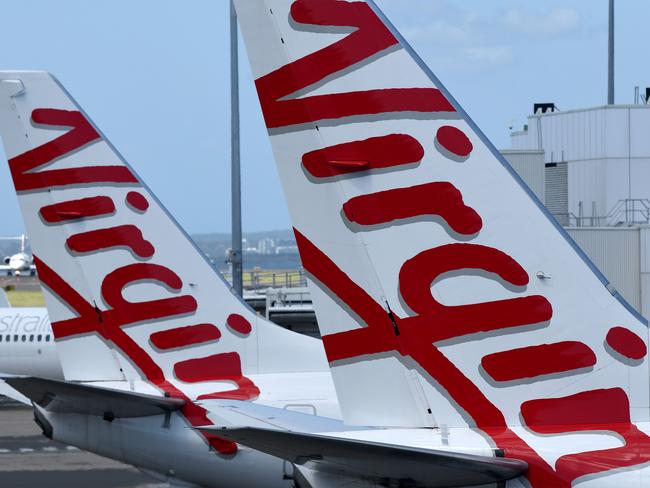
(605,153)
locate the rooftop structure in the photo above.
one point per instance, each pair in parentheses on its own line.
(596,163)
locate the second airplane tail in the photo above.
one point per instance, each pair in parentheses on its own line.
(446,294)
(130,297)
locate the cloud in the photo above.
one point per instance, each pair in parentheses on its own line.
(438,30)
(470,39)
(558,21)
(489,55)
(458,38)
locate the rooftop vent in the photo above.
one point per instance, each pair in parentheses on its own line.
(543,108)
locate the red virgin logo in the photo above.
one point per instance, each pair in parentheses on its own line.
(427,322)
(30,174)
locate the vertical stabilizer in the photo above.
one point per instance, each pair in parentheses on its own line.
(445,293)
(129,295)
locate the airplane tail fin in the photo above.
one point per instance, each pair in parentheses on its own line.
(445,292)
(129,295)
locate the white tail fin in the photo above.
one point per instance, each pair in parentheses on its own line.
(445,293)
(129,295)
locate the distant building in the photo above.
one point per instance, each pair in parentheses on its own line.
(286,250)
(596,163)
(266,246)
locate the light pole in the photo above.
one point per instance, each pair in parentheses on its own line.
(236,253)
(610,57)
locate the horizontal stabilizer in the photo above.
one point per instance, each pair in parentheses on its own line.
(9,392)
(66,397)
(236,413)
(376,461)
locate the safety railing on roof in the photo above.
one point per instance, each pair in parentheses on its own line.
(627,211)
(257,279)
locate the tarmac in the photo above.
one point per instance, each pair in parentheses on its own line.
(28,459)
(23,283)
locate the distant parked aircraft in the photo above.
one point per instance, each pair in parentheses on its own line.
(20,263)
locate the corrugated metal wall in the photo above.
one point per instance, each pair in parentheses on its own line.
(616,252)
(644,240)
(530,166)
(556,192)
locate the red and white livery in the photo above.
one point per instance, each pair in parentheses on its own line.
(455,311)
(150,349)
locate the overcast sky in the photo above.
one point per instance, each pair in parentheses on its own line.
(153,75)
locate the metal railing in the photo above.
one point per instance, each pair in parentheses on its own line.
(630,211)
(256,279)
(570,219)
(288,298)
(627,211)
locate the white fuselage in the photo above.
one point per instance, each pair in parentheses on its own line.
(175,452)
(27,345)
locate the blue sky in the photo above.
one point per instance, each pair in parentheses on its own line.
(153,75)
